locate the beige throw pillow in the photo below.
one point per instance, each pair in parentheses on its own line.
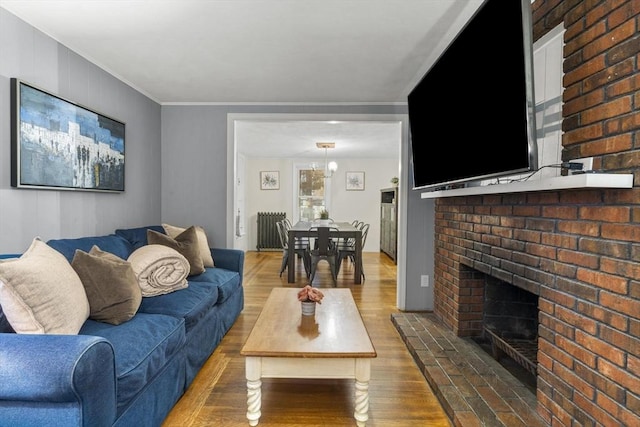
(159,269)
(110,283)
(40,293)
(186,243)
(203,242)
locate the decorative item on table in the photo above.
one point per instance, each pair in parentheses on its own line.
(308,297)
(324,214)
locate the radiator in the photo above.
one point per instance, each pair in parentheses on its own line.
(267,231)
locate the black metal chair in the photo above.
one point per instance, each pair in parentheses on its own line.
(347,248)
(299,240)
(357,223)
(300,249)
(324,249)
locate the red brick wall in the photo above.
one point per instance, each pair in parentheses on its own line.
(579,250)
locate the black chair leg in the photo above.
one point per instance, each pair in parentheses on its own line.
(306,259)
(312,270)
(284,263)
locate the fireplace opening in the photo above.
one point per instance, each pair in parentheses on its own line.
(510,328)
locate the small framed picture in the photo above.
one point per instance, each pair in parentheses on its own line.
(355,181)
(269,180)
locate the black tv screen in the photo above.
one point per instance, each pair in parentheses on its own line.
(471,116)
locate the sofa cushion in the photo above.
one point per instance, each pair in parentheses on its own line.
(203,242)
(137,237)
(143,346)
(112,243)
(191,304)
(226,281)
(186,243)
(41,294)
(110,283)
(159,269)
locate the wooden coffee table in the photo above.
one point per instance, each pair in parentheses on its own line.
(332,344)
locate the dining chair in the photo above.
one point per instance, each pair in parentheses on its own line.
(347,249)
(299,240)
(300,248)
(350,240)
(323,249)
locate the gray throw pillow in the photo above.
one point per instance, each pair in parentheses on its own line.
(203,242)
(110,283)
(186,243)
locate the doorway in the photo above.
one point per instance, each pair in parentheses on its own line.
(236,160)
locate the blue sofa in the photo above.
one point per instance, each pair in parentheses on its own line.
(131,374)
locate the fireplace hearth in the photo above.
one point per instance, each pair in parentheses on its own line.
(473,388)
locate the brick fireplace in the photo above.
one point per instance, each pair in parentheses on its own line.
(577,250)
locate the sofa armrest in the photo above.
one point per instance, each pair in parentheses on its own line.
(229,259)
(67,377)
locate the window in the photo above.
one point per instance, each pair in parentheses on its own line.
(312,192)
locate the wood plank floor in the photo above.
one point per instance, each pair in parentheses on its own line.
(399,394)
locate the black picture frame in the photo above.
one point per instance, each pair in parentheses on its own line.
(58,144)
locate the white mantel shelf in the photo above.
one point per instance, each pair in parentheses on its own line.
(585,180)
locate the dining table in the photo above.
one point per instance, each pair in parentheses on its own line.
(338,230)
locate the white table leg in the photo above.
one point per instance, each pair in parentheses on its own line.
(253,366)
(363,374)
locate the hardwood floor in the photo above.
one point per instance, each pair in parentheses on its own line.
(399,394)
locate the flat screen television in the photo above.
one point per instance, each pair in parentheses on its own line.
(471,116)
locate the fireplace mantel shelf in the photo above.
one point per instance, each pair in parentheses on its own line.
(586,180)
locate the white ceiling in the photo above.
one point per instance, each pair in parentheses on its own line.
(260,51)
(297,139)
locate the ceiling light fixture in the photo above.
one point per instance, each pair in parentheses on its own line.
(329,167)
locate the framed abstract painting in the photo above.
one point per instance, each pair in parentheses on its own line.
(58,144)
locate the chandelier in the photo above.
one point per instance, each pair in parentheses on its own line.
(329,166)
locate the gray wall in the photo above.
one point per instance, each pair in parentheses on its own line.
(419,252)
(30,55)
(194,169)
